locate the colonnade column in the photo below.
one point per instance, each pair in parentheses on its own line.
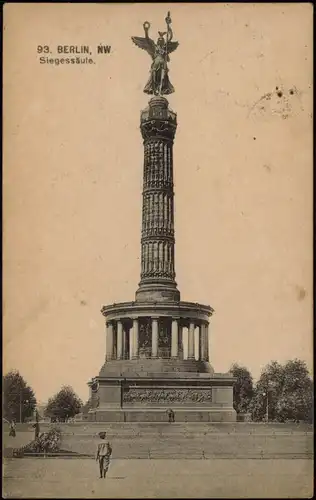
(109,341)
(204,342)
(180,342)
(119,340)
(154,338)
(135,338)
(191,341)
(174,338)
(207,342)
(200,342)
(131,342)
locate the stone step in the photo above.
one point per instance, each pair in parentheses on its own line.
(156,428)
(212,446)
(155,367)
(183,441)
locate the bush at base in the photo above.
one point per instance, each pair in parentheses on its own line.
(48,442)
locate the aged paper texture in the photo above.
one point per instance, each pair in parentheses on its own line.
(73,92)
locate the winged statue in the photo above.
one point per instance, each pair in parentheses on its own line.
(158,83)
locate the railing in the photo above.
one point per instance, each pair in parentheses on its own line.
(164,352)
(146,352)
(114,358)
(152,453)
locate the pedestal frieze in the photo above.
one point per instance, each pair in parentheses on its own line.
(167,396)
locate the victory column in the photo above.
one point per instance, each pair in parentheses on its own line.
(147,367)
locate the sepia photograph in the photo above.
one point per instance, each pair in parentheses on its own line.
(157,250)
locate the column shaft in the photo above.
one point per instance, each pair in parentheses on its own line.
(154,338)
(191,341)
(174,338)
(204,342)
(200,342)
(207,356)
(124,342)
(131,342)
(181,344)
(119,340)
(135,335)
(109,341)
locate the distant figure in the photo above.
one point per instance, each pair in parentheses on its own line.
(104,452)
(12,429)
(170,414)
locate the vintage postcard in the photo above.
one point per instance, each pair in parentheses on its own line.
(157,243)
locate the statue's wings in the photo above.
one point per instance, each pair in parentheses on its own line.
(145,43)
(172,46)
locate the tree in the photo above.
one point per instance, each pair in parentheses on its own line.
(63,405)
(284,392)
(269,386)
(19,398)
(296,399)
(243,388)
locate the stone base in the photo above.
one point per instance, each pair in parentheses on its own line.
(146,397)
(160,415)
(157,292)
(153,368)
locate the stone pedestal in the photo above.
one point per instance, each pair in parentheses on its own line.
(145,396)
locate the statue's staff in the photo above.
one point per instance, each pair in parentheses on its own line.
(168,22)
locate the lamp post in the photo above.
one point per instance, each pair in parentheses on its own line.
(267,407)
(266,393)
(20,407)
(36,425)
(22,403)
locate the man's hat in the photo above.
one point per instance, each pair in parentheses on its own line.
(102,434)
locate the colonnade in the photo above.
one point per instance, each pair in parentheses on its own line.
(122,339)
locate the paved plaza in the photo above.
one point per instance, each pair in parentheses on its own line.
(231,478)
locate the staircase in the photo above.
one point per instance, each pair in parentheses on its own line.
(200,441)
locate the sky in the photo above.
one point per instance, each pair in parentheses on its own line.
(72,180)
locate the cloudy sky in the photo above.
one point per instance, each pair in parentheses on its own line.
(73,178)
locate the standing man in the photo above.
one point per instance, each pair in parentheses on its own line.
(12,429)
(170,415)
(104,452)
